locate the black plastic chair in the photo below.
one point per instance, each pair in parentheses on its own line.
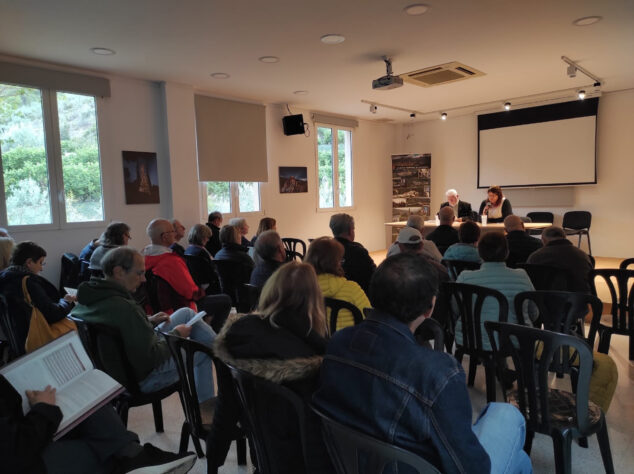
(618,282)
(431,330)
(345,444)
(540,217)
(559,414)
(255,395)
(105,347)
(183,351)
(291,245)
(335,306)
(232,276)
(578,223)
(6,325)
(69,274)
(204,272)
(626,263)
(248,297)
(455,267)
(547,278)
(469,300)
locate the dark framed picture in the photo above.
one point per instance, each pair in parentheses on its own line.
(140,176)
(293,179)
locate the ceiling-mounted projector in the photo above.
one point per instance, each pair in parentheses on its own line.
(388,81)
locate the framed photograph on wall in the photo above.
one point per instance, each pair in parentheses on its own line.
(293,179)
(140,177)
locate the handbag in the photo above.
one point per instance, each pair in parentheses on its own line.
(40,331)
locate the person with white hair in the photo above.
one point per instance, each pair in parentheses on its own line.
(461,209)
(241,224)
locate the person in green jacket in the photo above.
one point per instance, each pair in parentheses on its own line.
(109,301)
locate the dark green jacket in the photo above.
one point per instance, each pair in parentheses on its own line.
(107,302)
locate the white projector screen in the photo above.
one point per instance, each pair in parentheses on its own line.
(535,150)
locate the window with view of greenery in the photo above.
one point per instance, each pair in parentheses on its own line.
(227,197)
(334,174)
(31,151)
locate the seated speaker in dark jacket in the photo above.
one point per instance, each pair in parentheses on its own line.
(461,209)
(270,254)
(99,444)
(357,264)
(214,221)
(27,261)
(199,260)
(521,245)
(444,235)
(283,342)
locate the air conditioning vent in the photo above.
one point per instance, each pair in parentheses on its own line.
(442,74)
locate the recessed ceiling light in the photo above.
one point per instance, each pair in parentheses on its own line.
(220,75)
(300,92)
(416,9)
(581,94)
(269,59)
(587,20)
(443,116)
(103,51)
(507,106)
(332,39)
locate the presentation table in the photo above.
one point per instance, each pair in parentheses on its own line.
(431,225)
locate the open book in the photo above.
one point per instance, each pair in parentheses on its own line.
(64,365)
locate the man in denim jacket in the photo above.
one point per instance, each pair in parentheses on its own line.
(377,379)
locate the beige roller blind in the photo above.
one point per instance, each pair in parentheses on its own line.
(231,138)
(22,75)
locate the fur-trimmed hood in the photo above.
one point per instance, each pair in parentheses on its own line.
(277,370)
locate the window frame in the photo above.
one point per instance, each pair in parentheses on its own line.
(335,184)
(234,192)
(54,166)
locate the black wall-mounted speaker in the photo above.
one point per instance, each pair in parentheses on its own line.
(293,124)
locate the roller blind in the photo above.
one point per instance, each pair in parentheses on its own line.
(335,120)
(42,78)
(231,139)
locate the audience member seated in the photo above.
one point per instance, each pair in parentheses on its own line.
(6,248)
(266,223)
(444,235)
(27,261)
(270,254)
(163,263)
(375,378)
(115,235)
(232,249)
(109,301)
(357,263)
(88,250)
(283,342)
(494,273)
(99,444)
(461,209)
(325,255)
(243,228)
(199,260)
(430,250)
(466,250)
(179,233)
(214,221)
(4,232)
(558,251)
(521,245)
(496,207)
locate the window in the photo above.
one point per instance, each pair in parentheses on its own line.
(49,152)
(233,198)
(334,152)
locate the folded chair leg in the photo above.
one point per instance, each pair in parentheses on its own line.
(158,416)
(631,343)
(184,442)
(528,442)
(604,342)
(589,248)
(198,447)
(473,366)
(604,447)
(562,444)
(241,448)
(489,373)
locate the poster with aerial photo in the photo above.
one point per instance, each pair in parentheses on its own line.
(411,185)
(293,179)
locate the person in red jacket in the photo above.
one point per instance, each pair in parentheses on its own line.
(170,267)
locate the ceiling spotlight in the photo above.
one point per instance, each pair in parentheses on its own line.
(220,75)
(300,92)
(571,71)
(587,20)
(332,39)
(507,106)
(103,51)
(269,59)
(443,116)
(412,115)
(416,9)
(581,94)
(373,108)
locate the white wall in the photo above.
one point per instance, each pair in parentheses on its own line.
(453,145)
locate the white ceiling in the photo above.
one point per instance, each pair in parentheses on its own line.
(517,43)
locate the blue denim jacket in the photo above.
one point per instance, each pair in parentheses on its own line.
(377,379)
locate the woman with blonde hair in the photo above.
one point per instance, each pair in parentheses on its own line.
(283,342)
(325,254)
